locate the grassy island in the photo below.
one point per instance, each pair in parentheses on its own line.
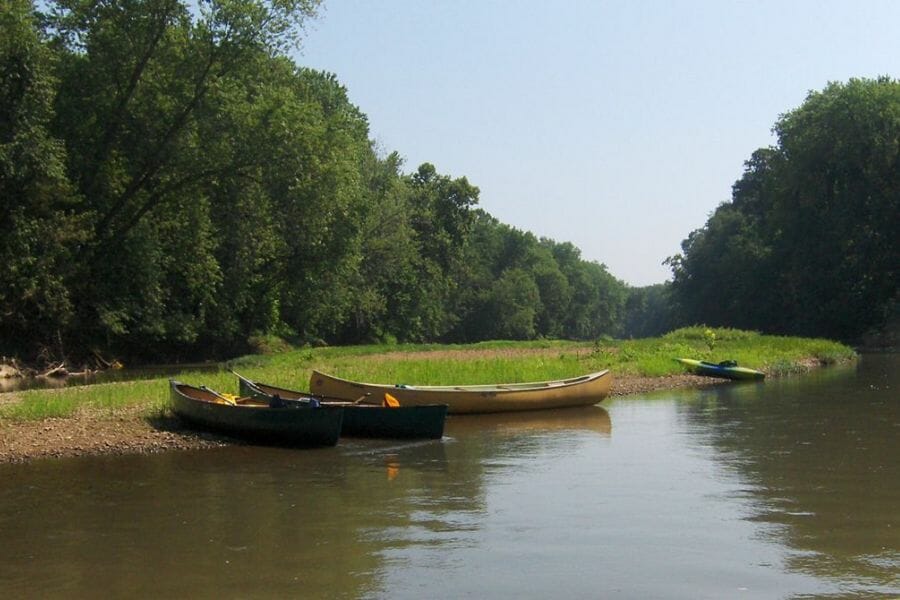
(437,364)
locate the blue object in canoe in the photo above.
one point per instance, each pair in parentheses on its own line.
(726,369)
(366,417)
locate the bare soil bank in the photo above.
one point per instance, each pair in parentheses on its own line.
(130,432)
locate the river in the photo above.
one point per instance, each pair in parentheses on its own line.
(784,489)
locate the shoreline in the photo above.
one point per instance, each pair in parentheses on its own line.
(130,431)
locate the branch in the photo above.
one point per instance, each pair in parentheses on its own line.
(115,120)
(157,157)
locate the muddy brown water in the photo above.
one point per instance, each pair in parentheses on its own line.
(783,489)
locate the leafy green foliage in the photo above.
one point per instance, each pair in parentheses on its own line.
(186,190)
(649,311)
(39,230)
(175,186)
(809,243)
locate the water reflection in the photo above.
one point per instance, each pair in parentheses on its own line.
(815,458)
(245,519)
(451,518)
(584,419)
(242,519)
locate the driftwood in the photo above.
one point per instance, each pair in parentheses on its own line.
(103,364)
(61,370)
(10,368)
(58,370)
(9,371)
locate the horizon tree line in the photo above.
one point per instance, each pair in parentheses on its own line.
(174,186)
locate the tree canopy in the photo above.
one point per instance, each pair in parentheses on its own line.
(809,242)
(174,185)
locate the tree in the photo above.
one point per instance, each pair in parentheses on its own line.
(174,185)
(554,290)
(727,262)
(808,244)
(441,217)
(514,303)
(649,312)
(38,228)
(839,211)
(146,87)
(313,177)
(597,300)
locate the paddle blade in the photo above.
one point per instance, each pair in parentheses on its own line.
(390,401)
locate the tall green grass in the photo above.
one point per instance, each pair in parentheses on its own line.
(435,364)
(103,399)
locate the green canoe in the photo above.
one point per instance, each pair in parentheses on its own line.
(293,424)
(362,419)
(727,369)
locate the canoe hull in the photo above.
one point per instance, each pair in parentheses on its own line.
(301,427)
(578,391)
(410,422)
(699,367)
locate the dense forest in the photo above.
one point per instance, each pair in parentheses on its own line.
(810,242)
(175,186)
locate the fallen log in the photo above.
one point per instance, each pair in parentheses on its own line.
(59,371)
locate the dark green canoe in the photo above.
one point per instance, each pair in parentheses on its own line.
(365,420)
(293,424)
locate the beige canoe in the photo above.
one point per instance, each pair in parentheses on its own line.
(577,391)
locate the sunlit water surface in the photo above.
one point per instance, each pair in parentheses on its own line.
(783,489)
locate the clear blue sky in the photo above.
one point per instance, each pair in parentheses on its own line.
(615,125)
